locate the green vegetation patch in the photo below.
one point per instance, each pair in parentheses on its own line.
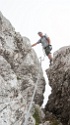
(36,117)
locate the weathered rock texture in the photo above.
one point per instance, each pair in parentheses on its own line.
(59,80)
(19,71)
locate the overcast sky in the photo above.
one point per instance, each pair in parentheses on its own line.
(49,16)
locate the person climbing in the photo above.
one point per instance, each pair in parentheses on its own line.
(46,43)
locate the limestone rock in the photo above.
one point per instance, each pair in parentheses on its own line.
(19,71)
(59,80)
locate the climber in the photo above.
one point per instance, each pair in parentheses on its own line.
(46,43)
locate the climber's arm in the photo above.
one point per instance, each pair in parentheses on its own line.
(35,44)
(49,41)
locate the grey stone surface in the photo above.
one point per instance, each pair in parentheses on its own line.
(59,80)
(19,71)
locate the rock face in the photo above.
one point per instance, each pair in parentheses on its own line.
(19,71)
(59,80)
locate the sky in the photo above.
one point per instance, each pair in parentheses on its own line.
(52,17)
